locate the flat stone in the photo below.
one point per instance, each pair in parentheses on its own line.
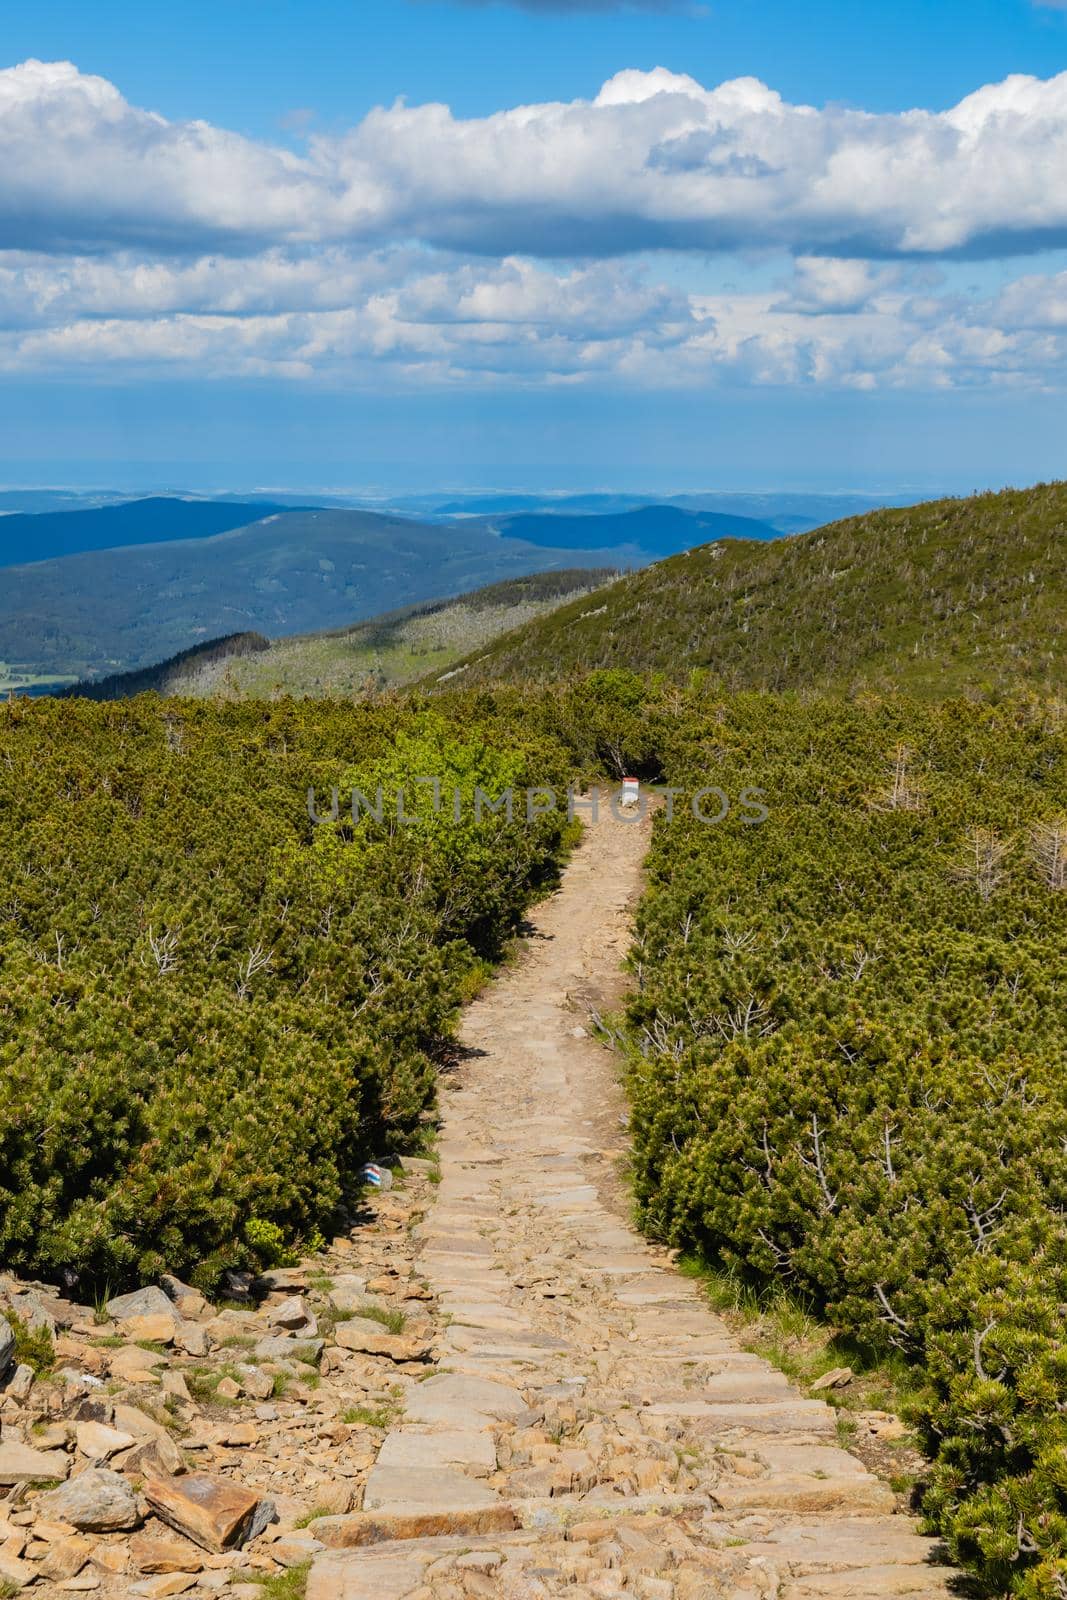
(131,1419)
(819,1546)
(96,1501)
(156,1553)
(837,1378)
(871,1583)
(361,1528)
(151,1458)
(404,1490)
(192,1339)
(132,1362)
(406,1448)
(786,1416)
(147,1302)
(284,1280)
(14,1571)
(354,1297)
(794,1493)
(99,1442)
(160,1588)
(66,1557)
(214,1512)
(370,1338)
(367,1576)
(20,1464)
(159,1328)
(280,1348)
(293,1549)
(455,1400)
(239,1435)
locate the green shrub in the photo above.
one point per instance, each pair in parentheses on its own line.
(848,1070)
(213,1013)
(34,1347)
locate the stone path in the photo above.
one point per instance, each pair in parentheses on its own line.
(590,1428)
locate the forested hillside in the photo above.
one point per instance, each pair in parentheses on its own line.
(171,676)
(952,596)
(372,656)
(120,610)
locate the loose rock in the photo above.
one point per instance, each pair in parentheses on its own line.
(96,1501)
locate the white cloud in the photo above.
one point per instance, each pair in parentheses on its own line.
(825,284)
(655,160)
(546,244)
(404,317)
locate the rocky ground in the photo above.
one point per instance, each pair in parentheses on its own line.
(181,1447)
(491,1387)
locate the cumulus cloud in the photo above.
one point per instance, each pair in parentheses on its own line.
(556,243)
(654,161)
(404,318)
(822,285)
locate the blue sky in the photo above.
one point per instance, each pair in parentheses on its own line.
(322,244)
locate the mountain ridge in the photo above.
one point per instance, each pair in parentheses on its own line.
(965,595)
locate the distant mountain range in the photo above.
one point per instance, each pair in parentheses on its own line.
(784,512)
(47,534)
(179,572)
(656,531)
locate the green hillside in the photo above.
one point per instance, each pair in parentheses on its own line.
(383,653)
(950,596)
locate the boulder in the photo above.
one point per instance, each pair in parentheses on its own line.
(21,1383)
(149,1302)
(369,1338)
(214,1512)
(293,1314)
(97,1501)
